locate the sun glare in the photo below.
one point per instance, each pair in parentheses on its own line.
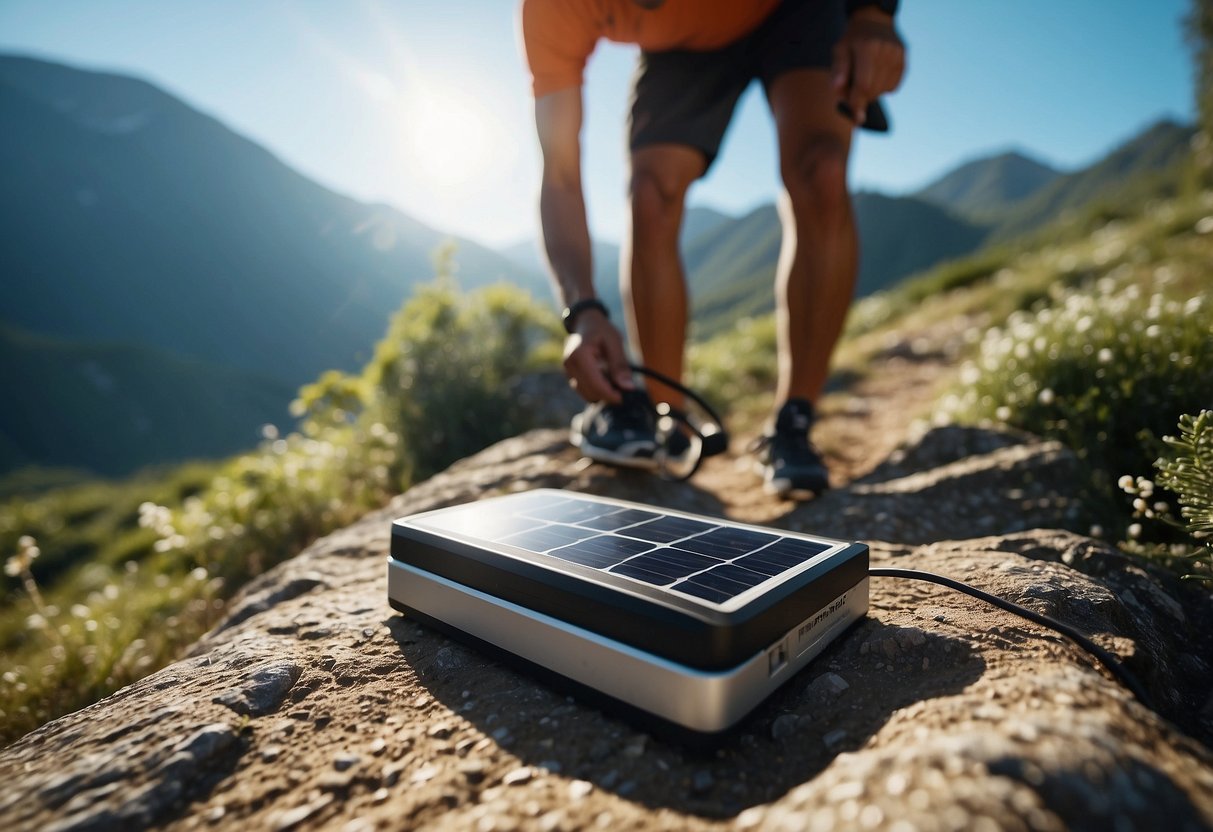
(449,138)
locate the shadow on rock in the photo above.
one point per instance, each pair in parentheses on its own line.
(833,706)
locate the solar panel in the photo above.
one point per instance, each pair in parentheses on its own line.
(652,547)
(699,594)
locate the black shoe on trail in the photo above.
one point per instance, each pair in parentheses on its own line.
(791,467)
(622,434)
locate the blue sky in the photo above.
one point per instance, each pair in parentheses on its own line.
(425,105)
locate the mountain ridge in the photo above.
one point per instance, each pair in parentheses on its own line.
(982,187)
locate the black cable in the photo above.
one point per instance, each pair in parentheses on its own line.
(1105,657)
(707,439)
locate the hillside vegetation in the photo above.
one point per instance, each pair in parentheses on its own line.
(147,243)
(1101,338)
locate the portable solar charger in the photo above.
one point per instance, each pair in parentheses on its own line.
(686,620)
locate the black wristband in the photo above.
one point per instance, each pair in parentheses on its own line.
(569,317)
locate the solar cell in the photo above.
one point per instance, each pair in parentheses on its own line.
(670,562)
(667,528)
(601,552)
(569,511)
(618,519)
(727,542)
(544,538)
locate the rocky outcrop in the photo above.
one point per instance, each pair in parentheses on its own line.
(314,705)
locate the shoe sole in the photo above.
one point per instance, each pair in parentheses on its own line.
(782,488)
(626,457)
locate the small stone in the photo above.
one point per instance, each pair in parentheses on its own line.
(635,746)
(580,789)
(451,658)
(380,795)
(834,737)
(269,755)
(391,774)
(263,691)
(835,683)
(214,814)
(702,781)
(518,776)
(473,770)
(784,726)
(378,746)
(293,817)
(343,762)
(439,732)
(424,774)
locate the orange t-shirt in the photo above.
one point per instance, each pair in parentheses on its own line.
(560,35)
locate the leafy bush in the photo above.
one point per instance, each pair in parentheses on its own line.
(142,569)
(735,365)
(1107,372)
(1187,471)
(443,377)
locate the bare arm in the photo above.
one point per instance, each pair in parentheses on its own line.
(593,356)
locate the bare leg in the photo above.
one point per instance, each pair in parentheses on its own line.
(652,275)
(818,261)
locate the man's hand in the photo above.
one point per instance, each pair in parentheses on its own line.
(869,60)
(594,359)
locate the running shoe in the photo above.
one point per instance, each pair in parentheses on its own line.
(623,434)
(790,466)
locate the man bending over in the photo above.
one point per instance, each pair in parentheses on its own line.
(822,64)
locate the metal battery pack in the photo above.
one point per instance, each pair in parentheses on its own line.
(685,620)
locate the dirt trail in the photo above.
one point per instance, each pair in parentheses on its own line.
(858,428)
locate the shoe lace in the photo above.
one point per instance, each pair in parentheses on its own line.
(635,412)
(794,442)
(707,436)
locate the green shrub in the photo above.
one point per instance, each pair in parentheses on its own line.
(735,365)
(1187,471)
(444,377)
(133,572)
(1107,372)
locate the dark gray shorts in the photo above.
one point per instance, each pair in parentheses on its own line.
(687,97)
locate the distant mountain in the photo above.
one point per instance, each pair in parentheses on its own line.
(986,187)
(129,216)
(732,271)
(113,409)
(985,200)
(697,222)
(1149,154)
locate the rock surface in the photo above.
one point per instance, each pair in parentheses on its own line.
(314,705)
